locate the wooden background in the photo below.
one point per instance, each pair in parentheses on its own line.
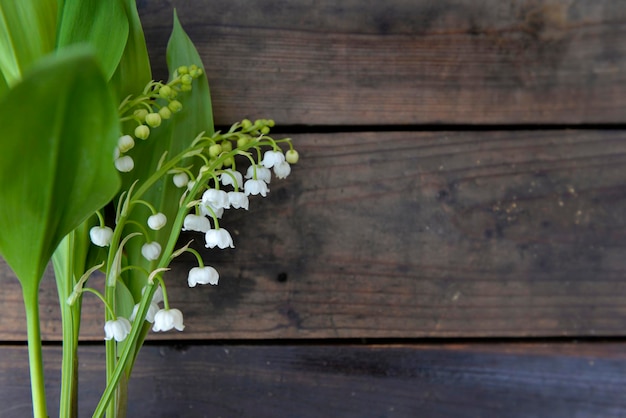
(452,243)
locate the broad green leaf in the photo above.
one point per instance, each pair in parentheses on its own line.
(59,130)
(27,32)
(173,137)
(102,24)
(133,71)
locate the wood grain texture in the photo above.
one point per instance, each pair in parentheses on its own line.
(408,234)
(448,381)
(342,62)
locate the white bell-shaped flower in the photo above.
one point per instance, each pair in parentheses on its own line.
(215,199)
(157,221)
(272,158)
(166,319)
(202,275)
(254,187)
(152,310)
(231,177)
(125,143)
(282,170)
(262,173)
(101,235)
(124,164)
(151,250)
(196,223)
(238,200)
(117,329)
(218,238)
(180,179)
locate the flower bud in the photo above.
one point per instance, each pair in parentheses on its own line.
(185,87)
(101,235)
(292,156)
(175,106)
(186,79)
(140,114)
(215,150)
(165,112)
(151,250)
(180,179)
(242,142)
(142,132)
(166,92)
(124,164)
(157,221)
(227,146)
(183,69)
(153,120)
(125,143)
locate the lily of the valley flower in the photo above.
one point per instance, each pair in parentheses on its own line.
(180,179)
(124,164)
(166,319)
(125,143)
(196,223)
(292,156)
(203,275)
(101,235)
(272,158)
(117,329)
(151,250)
(218,238)
(282,170)
(238,200)
(157,221)
(215,199)
(231,177)
(254,187)
(152,310)
(262,173)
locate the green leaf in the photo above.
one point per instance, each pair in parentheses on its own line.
(59,130)
(133,71)
(27,32)
(173,137)
(102,24)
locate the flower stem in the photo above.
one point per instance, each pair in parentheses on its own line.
(35,358)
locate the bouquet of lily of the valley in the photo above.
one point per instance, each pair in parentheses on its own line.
(101,168)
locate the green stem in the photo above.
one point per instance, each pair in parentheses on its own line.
(35,358)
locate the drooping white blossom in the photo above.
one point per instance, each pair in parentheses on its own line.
(125,143)
(166,319)
(151,250)
(262,173)
(218,238)
(157,221)
(231,177)
(282,170)
(202,275)
(117,329)
(271,158)
(152,310)
(124,164)
(180,179)
(101,235)
(238,200)
(215,199)
(254,187)
(196,223)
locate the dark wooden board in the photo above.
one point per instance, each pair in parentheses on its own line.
(405,234)
(448,381)
(342,62)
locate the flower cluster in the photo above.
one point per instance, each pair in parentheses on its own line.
(215,173)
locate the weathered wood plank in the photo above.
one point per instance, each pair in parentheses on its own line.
(512,380)
(404,234)
(405,62)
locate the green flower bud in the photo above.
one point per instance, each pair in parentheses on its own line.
(228,162)
(196,72)
(140,114)
(265,130)
(142,132)
(183,70)
(185,87)
(242,142)
(166,92)
(215,150)
(246,124)
(153,120)
(186,79)
(175,106)
(227,146)
(270,123)
(292,156)
(165,112)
